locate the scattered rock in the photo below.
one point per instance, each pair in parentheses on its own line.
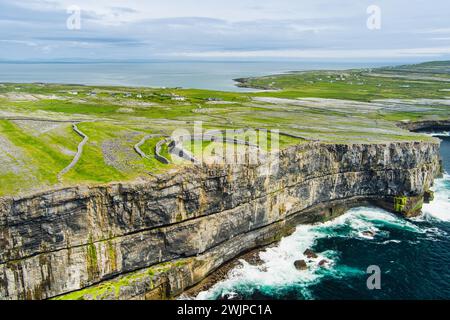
(253,258)
(369,234)
(323,263)
(125,110)
(428,196)
(231,296)
(300,265)
(310,254)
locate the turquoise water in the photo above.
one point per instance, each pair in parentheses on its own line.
(413,255)
(199,75)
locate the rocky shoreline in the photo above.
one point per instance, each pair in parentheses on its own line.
(251,257)
(243,83)
(155,239)
(426,125)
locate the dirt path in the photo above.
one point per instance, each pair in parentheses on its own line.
(78,154)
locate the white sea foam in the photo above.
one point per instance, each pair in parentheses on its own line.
(439,208)
(278,271)
(391,241)
(439,134)
(365,219)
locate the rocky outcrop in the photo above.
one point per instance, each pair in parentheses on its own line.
(435,125)
(300,265)
(156,238)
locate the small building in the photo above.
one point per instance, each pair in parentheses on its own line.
(178,98)
(214,99)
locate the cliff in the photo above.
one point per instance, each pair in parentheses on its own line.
(436,125)
(156,238)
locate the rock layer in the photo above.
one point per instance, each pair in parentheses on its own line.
(156,238)
(437,125)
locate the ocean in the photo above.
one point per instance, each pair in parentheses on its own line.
(413,256)
(186,74)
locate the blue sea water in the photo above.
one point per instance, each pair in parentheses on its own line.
(413,255)
(211,75)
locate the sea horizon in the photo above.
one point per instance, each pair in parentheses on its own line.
(187,74)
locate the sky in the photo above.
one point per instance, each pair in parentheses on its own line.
(225,30)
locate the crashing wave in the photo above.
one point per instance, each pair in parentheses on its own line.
(277,275)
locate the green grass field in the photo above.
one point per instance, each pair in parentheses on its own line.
(37,140)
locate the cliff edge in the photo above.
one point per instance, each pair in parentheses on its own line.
(154,239)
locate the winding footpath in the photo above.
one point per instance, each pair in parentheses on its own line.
(78,154)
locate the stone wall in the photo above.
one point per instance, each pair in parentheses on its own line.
(155,238)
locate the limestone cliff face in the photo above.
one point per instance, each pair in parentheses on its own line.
(155,238)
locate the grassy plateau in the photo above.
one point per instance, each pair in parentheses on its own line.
(38,140)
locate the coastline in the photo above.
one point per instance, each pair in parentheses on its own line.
(253,258)
(227,233)
(212,75)
(158,235)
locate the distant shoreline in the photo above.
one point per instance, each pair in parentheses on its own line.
(208,75)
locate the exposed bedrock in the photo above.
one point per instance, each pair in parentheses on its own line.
(435,125)
(156,238)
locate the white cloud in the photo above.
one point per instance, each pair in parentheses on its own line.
(438,31)
(441,39)
(222,29)
(231,10)
(20,42)
(321,54)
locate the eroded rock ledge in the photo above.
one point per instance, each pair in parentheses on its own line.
(437,125)
(155,239)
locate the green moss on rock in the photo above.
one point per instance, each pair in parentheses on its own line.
(111,289)
(91,260)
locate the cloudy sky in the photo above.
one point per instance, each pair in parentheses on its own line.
(231,29)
